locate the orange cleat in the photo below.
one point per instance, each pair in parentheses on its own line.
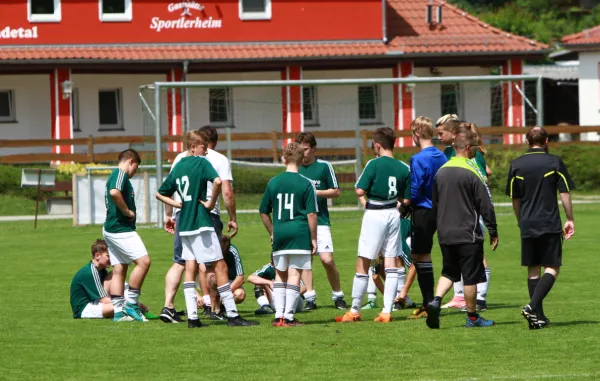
(384,318)
(348,317)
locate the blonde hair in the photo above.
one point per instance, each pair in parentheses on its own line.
(448,122)
(423,126)
(196,138)
(293,153)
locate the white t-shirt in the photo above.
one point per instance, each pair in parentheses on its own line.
(223,168)
(176,196)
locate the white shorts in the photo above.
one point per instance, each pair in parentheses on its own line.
(379,232)
(324,241)
(93,310)
(124,248)
(283,262)
(204,247)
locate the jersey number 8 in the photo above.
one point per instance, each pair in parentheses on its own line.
(288,203)
(393,191)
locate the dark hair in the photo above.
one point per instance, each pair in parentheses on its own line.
(129,154)
(225,244)
(537,136)
(385,136)
(464,139)
(307,138)
(99,247)
(211,134)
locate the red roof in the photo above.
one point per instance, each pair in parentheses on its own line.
(586,37)
(408,33)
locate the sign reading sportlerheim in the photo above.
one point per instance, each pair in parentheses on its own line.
(186,19)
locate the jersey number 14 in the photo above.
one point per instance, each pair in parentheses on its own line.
(288,203)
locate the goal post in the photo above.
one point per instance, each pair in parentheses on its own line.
(153,98)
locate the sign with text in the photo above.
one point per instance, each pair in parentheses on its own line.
(186,20)
(9,33)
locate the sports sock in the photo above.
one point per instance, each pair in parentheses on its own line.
(262,301)
(541,290)
(292,293)
(191,300)
(425,279)
(337,295)
(310,296)
(133,295)
(227,300)
(391,287)
(482,288)
(371,287)
(531,285)
(401,279)
(472,316)
(206,300)
(359,286)
(279,299)
(459,289)
(117,302)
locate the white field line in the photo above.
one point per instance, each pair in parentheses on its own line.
(570,376)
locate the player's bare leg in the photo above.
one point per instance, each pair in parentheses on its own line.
(333,276)
(311,295)
(203,283)
(434,307)
(215,300)
(239,296)
(172,282)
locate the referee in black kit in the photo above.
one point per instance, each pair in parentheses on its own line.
(532,183)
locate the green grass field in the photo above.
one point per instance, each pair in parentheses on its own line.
(40,340)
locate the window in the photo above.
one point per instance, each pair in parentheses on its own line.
(7,106)
(255,9)
(109,110)
(115,10)
(43,10)
(220,107)
(310,106)
(451,99)
(75,110)
(369,110)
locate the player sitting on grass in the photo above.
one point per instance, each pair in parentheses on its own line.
(124,244)
(200,243)
(235,274)
(263,280)
(384,181)
(292,199)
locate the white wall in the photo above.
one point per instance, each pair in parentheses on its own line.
(589,92)
(32,102)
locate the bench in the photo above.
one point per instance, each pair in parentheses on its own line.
(59,204)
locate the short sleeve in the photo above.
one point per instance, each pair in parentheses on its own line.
(119,182)
(514,184)
(225,171)
(480,160)
(266,205)
(331,178)
(565,183)
(364,181)
(169,186)
(239,268)
(407,185)
(310,198)
(210,174)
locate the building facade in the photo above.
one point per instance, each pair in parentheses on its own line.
(73,69)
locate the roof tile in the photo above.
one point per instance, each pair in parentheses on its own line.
(585,37)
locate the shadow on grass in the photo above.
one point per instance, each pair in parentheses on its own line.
(576,322)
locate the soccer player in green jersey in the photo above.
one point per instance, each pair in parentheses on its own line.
(263,281)
(124,244)
(292,200)
(385,181)
(200,242)
(321,173)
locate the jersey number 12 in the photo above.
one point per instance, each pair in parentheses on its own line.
(186,186)
(288,203)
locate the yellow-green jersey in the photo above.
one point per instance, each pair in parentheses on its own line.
(190,179)
(117,222)
(385,179)
(290,197)
(321,173)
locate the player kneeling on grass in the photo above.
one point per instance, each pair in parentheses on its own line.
(263,280)
(200,243)
(292,199)
(235,274)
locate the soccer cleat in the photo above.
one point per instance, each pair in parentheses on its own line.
(348,317)
(481,306)
(239,321)
(264,310)
(383,318)
(458,303)
(371,304)
(419,313)
(168,315)
(134,311)
(122,317)
(310,306)
(543,322)
(206,311)
(196,323)
(217,316)
(277,322)
(480,322)
(433,314)
(341,304)
(292,323)
(531,317)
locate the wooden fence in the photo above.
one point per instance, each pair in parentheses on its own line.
(274,152)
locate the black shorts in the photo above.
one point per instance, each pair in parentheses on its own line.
(218,225)
(177,245)
(465,260)
(545,250)
(423,226)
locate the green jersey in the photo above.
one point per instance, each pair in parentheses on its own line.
(87,286)
(117,222)
(290,197)
(321,173)
(234,263)
(479,159)
(190,179)
(267,272)
(385,179)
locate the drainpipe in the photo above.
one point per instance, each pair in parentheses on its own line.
(185,115)
(384,21)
